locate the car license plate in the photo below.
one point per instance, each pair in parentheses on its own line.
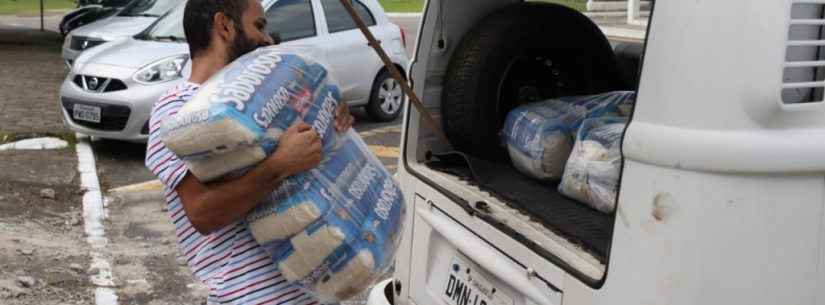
(467,286)
(86,113)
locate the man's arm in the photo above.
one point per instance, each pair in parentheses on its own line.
(215,205)
(343,119)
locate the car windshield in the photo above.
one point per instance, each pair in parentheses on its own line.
(169,27)
(148,8)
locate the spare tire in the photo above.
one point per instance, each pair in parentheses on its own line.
(522,53)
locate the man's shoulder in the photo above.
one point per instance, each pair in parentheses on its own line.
(175,96)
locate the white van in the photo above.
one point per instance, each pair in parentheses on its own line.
(722,191)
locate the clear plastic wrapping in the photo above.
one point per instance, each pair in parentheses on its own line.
(333,229)
(592,172)
(350,210)
(235,119)
(539,136)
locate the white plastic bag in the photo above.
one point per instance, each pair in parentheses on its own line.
(539,136)
(592,172)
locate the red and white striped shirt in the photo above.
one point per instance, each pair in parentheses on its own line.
(229,261)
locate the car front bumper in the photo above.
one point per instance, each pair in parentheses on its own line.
(124,113)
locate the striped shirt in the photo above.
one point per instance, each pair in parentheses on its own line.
(229,261)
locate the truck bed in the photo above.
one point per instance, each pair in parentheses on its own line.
(576,222)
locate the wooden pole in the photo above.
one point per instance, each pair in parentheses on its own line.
(413,98)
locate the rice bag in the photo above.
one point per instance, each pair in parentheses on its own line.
(235,119)
(353,242)
(332,229)
(592,172)
(539,136)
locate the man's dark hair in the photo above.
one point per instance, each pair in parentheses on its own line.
(197,20)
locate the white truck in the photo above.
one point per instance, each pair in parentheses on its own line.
(722,191)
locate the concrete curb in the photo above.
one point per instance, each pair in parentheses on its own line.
(94,213)
(140,192)
(36,144)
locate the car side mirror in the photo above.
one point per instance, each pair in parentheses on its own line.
(276,37)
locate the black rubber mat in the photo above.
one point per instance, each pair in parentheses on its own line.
(573,220)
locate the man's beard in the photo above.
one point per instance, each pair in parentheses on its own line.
(241,45)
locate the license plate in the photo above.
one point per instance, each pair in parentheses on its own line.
(86,113)
(467,286)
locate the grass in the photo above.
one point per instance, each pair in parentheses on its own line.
(399,6)
(406,6)
(32,7)
(579,5)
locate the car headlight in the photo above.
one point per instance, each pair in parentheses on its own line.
(163,70)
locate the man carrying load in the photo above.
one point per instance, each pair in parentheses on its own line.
(218,248)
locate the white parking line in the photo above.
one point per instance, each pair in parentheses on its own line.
(94,210)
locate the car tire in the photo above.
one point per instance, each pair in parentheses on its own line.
(386,98)
(500,64)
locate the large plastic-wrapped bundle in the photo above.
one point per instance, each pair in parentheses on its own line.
(332,229)
(592,172)
(353,242)
(235,119)
(539,136)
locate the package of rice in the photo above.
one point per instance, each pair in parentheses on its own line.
(235,119)
(592,172)
(332,229)
(539,136)
(344,251)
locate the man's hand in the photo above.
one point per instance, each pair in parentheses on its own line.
(343,119)
(299,149)
(212,207)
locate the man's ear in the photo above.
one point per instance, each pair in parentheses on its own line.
(223,26)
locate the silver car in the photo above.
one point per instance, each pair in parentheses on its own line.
(111,89)
(133,19)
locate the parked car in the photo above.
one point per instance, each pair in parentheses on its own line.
(133,19)
(720,188)
(110,90)
(88,12)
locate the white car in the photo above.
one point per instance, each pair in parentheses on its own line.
(135,17)
(110,90)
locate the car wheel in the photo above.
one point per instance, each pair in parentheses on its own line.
(520,54)
(386,98)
